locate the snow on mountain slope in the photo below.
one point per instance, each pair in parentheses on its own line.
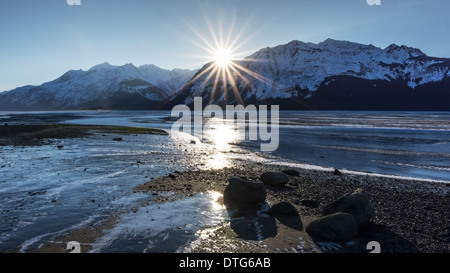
(307,65)
(328,75)
(101,82)
(303,67)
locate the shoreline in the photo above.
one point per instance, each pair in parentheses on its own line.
(42,134)
(410,214)
(405,221)
(353,172)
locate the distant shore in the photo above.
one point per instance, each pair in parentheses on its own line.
(39,134)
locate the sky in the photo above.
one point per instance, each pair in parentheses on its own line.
(41,40)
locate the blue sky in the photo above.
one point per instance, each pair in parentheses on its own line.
(41,40)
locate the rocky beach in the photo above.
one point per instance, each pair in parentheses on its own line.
(409,216)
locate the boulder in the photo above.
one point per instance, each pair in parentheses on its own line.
(284,208)
(310,203)
(242,193)
(337,227)
(356,204)
(291,172)
(274,178)
(172,176)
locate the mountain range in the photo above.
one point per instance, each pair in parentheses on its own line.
(331,75)
(104,86)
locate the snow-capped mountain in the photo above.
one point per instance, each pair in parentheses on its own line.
(330,75)
(102,86)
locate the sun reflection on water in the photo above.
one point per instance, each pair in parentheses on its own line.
(220,135)
(215,204)
(218,161)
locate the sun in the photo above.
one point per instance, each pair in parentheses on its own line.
(226,70)
(222,57)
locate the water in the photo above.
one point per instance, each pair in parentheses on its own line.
(163,228)
(404,144)
(46,192)
(410,144)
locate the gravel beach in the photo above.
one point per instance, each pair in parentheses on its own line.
(410,216)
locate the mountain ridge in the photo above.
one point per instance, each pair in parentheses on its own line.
(298,74)
(102,86)
(330,75)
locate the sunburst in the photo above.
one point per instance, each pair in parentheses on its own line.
(225,57)
(222,57)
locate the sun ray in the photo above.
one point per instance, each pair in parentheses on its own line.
(230,31)
(205,81)
(210,75)
(224,73)
(220,30)
(216,81)
(224,83)
(238,38)
(207,46)
(201,74)
(237,95)
(239,74)
(251,73)
(211,31)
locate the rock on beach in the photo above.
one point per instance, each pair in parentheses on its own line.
(242,193)
(337,227)
(284,208)
(356,203)
(274,178)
